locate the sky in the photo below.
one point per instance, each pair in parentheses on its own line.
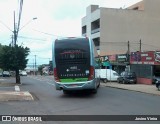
(55,18)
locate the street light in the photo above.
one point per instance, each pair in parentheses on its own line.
(15,31)
(28,23)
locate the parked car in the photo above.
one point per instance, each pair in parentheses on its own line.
(127,77)
(158,83)
(23,73)
(1,74)
(155,78)
(108,75)
(6,74)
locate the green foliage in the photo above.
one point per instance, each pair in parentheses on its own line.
(40,68)
(12,58)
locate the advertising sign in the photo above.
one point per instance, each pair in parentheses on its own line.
(122,58)
(112,58)
(157,56)
(149,57)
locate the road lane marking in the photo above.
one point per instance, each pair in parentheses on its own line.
(43,80)
(17,89)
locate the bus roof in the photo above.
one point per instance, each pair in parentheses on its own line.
(69,38)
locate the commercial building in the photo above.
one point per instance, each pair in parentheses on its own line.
(118,32)
(111,29)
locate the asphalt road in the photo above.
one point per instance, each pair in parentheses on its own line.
(108,101)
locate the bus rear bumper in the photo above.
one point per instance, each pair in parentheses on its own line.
(76,86)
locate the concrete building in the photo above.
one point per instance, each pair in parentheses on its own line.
(111,29)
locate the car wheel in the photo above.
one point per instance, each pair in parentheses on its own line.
(105,80)
(118,81)
(159,87)
(123,82)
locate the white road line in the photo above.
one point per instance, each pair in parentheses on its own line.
(17,89)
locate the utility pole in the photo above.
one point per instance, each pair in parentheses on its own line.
(15,31)
(128,47)
(128,51)
(35,64)
(33,68)
(140,47)
(12,43)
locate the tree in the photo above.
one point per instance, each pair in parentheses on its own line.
(40,69)
(14,58)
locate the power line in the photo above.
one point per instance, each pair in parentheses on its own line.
(150,45)
(32,38)
(49,34)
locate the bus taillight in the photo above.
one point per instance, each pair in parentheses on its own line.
(55,75)
(91,73)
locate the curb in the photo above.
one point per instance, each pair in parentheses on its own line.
(15,96)
(136,87)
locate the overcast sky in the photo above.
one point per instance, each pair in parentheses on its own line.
(55,18)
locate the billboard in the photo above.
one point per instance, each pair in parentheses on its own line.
(149,57)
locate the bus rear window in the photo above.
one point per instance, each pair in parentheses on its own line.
(72,51)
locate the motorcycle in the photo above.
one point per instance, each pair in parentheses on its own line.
(158,84)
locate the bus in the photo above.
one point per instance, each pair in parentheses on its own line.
(76,64)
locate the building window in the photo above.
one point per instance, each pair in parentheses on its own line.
(135,8)
(97,42)
(84,30)
(95,26)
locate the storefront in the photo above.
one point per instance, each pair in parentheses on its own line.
(146,65)
(117,63)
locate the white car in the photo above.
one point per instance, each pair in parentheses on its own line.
(108,75)
(6,74)
(23,73)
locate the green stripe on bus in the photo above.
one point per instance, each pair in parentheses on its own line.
(73,80)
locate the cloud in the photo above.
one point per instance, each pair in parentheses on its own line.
(57,17)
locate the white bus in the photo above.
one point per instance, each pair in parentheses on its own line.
(75,64)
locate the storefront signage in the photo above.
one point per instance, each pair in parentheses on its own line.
(104,58)
(157,56)
(122,58)
(112,58)
(150,57)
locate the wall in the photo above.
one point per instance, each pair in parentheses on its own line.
(122,25)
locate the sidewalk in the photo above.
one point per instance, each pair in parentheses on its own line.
(150,89)
(11,92)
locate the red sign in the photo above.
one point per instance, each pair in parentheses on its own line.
(112,58)
(150,57)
